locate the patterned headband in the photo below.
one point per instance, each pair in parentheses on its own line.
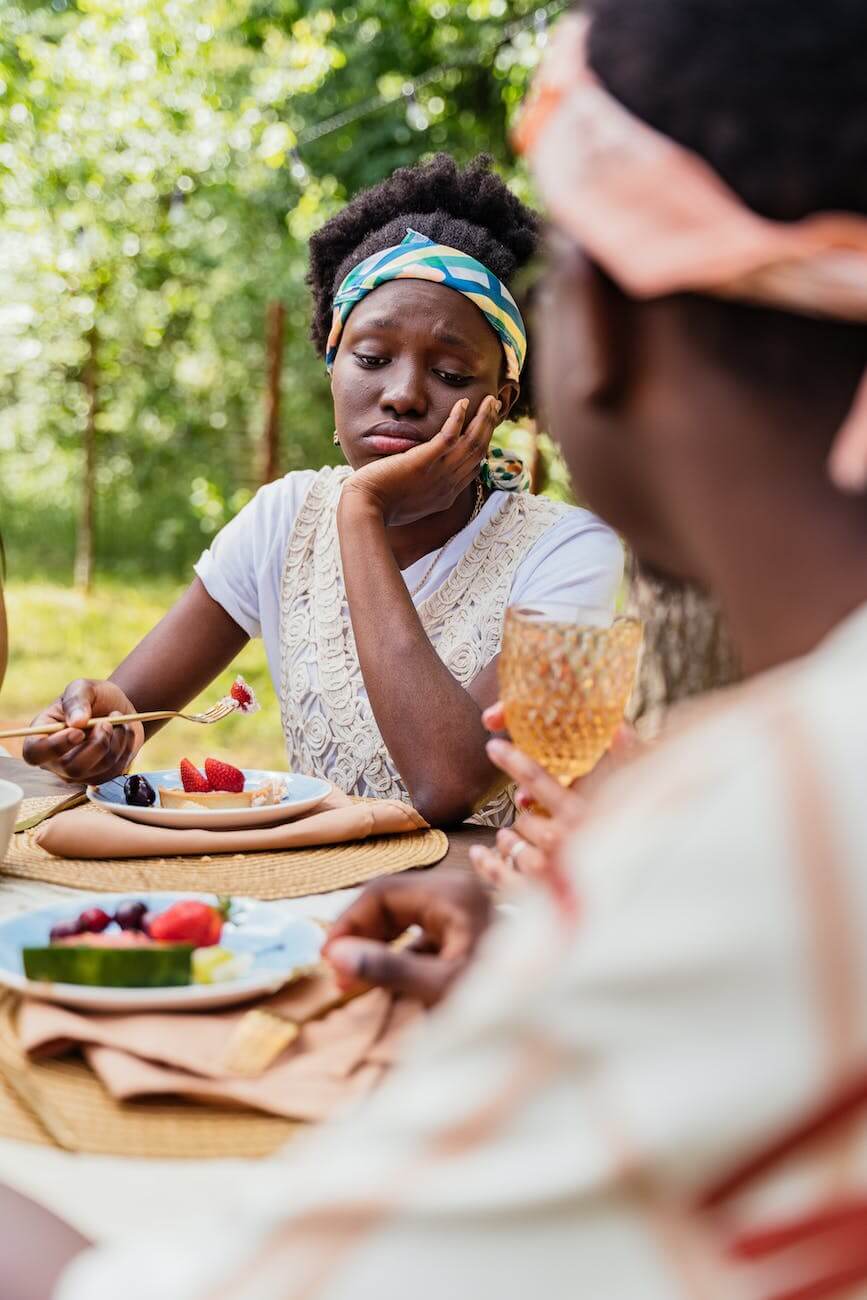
(419,258)
(661,221)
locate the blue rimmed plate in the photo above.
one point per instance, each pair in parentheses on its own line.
(281,945)
(303,793)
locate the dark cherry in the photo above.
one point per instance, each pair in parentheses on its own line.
(139,791)
(93,921)
(130,916)
(64,930)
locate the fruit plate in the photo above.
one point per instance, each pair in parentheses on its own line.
(302,794)
(282,944)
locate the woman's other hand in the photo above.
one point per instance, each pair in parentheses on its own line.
(429,478)
(86,757)
(451,909)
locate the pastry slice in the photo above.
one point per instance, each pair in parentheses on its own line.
(211,799)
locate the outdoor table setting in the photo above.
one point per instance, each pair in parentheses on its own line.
(94,1102)
(127,1041)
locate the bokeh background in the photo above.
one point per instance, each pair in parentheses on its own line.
(162,166)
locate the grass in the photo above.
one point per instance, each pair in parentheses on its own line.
(57,634)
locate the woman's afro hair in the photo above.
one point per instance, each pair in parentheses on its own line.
(469,208)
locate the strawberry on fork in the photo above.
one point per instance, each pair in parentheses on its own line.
(244,696)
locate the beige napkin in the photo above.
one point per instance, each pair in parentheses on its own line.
(332,1062)
(89,833)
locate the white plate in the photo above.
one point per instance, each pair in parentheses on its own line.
(302,794)
(283,946)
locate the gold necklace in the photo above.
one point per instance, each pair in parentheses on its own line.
(479,502)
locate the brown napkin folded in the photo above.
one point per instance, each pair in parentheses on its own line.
(89,833)
(332,1062)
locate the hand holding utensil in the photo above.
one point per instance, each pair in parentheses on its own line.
(215,713)
(93,731)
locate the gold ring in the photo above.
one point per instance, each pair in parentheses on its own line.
(512,855)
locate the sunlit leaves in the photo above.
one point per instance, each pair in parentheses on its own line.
(158,183)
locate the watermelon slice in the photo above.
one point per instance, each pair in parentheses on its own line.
(150,966)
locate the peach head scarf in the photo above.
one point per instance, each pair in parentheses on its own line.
(659,220)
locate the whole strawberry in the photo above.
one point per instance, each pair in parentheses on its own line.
(223,776)
(192,779)
(189,922)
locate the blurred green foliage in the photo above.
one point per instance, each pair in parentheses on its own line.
(160,174)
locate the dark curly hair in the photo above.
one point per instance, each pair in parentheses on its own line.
(772,94)
(469,208)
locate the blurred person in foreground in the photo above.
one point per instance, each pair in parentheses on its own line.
(601,1106)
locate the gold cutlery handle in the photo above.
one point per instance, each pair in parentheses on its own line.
(52,728)
(28,823)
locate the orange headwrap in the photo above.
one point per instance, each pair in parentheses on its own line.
(659,220)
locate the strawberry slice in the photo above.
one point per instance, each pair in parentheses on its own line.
(223,776)
(192,779)
(244,696)
(190,921)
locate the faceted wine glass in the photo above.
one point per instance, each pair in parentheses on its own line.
(566,675)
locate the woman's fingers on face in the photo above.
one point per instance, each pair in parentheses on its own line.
(485,418)
(453,427)
(476,439)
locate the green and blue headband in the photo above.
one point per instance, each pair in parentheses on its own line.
(420,258)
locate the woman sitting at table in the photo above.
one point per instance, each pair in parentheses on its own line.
(380,587)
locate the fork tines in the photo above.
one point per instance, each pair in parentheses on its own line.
(218,711)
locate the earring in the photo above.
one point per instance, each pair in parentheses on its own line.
(335,439)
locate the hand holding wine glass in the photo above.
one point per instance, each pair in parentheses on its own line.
(566,674)
(551,811)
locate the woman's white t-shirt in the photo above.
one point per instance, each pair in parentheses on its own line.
(578,561)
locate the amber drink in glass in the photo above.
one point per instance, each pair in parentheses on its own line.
(566,675)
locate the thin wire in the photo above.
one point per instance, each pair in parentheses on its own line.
(378,102)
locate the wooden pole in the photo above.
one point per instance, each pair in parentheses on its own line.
(84,544)
(275,318)
(533,463)
(4,627)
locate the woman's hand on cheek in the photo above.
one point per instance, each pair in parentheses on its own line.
(429,478)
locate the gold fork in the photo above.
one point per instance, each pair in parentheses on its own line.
(215,713)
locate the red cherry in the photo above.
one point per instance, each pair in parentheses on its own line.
(93,920)
(64,930)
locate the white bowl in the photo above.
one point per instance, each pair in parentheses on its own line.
(10,801)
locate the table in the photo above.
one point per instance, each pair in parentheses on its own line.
(105,1196)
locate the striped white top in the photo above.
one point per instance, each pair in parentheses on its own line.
(554,1124)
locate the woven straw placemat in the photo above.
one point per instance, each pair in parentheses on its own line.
(290,874)
(61,1103)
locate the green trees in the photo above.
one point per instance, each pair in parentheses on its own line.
(162,164)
